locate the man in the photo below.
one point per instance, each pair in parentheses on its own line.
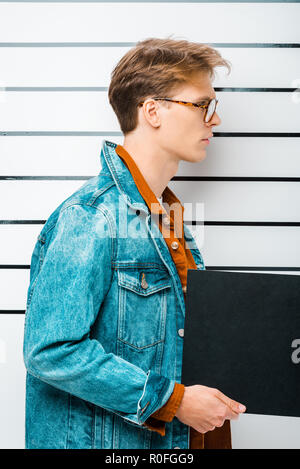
(105,309)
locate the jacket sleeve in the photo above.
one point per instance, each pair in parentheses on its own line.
(65,298)
(166,413)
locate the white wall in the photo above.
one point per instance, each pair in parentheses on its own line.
(45,46)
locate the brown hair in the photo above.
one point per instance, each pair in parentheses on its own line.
(156,67)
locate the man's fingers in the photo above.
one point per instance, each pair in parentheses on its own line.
(232,415)
(237,406)
(233,405)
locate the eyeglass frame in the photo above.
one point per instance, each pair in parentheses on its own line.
(188,103)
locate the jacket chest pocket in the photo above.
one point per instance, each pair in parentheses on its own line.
(142,306)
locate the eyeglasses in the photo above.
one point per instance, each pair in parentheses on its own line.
(209,107)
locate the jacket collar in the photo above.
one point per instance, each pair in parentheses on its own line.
(112,164)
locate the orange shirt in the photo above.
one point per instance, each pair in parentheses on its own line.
(171,227)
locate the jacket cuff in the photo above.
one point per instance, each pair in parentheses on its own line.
(157,391)
(167,412)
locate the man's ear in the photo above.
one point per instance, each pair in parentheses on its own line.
(151,111)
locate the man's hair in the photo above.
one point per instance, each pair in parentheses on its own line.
(157,67)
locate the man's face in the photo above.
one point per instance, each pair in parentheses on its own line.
(183,130)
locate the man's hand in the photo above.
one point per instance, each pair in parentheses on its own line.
(205,408)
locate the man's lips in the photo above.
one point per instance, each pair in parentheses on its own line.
(206,140)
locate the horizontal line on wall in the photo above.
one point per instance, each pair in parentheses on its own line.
(151,1)
(54,133)
(212,267)
(45,133)
(236,179)
(266,269)
(64,88)
(132,44)
(256,134)
(105,88)
(243,223)
(174,178)
(12,311)
(188,222)
(45,178)
(257,89)
(22,222)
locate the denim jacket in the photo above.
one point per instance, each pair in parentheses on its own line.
(102,352)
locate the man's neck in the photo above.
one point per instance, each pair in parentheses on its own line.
(156,166)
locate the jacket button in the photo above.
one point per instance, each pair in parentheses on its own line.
(181,332)
(174,245)
(166,220)
(144,284)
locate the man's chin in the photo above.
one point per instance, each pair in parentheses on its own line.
(201,155)
(195,157)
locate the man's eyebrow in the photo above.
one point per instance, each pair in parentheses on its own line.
(204,98)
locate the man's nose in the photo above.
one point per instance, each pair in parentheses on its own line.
(215,120)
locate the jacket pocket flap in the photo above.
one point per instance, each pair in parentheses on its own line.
(144,282)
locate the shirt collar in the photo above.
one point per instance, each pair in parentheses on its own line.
(175,214)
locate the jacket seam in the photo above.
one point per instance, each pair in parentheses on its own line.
(135,288)
(106,216)
(99,192)
(160,393)
(117,180)
(69,421)
(140,348)
(119,266)
(93,429)
(89,203)
(157,399)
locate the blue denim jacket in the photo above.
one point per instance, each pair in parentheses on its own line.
(102,352)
